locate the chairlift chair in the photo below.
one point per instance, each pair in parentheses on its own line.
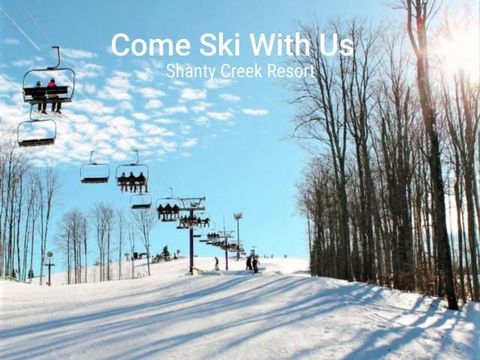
(94,172)
(141,201)
(123,172)
(35,126)
(44,94)
(168,213)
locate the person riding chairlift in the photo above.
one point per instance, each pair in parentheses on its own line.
(41,107)
(56,106)
(131,182)
(122,181)
(142,181)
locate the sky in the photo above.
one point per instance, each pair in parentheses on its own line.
(228,140)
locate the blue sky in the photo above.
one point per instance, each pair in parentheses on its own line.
(225,140)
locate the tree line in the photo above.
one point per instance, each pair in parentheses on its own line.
(28,196)
(391,191)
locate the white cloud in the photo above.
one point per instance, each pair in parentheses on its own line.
(89,106)
(140,116)
(230,97)
(145,75)
(150,93)
(116,87)
(200,106)
(153,104)
(125,105)
(255,112)
(189,143)
(89,88)
(77,54)
(164,121)
(220,116)
(185,129)
(22,63)
(175,109)
(193,94)
(89,70)
(11,41)
(217,83)
(153,130)
(202,120)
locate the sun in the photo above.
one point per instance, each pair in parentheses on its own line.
(458,49)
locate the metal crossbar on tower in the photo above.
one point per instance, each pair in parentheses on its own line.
(189,205)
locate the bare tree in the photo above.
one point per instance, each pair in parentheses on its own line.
(421,11)
(145,220)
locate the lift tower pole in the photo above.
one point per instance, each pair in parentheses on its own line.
(238,216)
(189,205)
(226,235)
(191,243)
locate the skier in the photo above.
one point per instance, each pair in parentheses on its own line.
(216,264)
(249,262)
(122,181)
(255,264)
(56,106)
(41,107)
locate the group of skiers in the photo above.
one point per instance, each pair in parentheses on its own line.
(252,263)
(132,182)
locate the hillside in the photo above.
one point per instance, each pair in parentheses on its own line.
(281,313)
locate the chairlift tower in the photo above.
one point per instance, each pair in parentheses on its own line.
(226,235)
(190,205)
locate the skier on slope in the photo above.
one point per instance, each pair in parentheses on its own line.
(249,262)
(255,264)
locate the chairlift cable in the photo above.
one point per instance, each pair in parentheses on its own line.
(20,29)
(24,8)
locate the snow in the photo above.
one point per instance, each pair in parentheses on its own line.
(280,313)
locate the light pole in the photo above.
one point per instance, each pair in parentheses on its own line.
(49,265)
(238,216)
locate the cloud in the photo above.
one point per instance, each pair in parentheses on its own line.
(255,112)
(22,63)
(89,106)
(193,94)
(164,121)
(150,129)
(116,87)
(220,116)
(89,88)
(89,70)
(144,75)
(141,116)
(77,54)
(217,83)
(200,106)
(150,93)
(153,104)
(179,83)
(189,143)
(125,105)
(175,109)
(202,120)
(230,97)
(185,129)
(11,41)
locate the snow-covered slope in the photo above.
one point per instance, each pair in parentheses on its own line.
(281,313)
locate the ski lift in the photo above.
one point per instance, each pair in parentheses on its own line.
(168,213)
(141,201)
(36,132)
(48,95)
(94,173)
(133,176)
